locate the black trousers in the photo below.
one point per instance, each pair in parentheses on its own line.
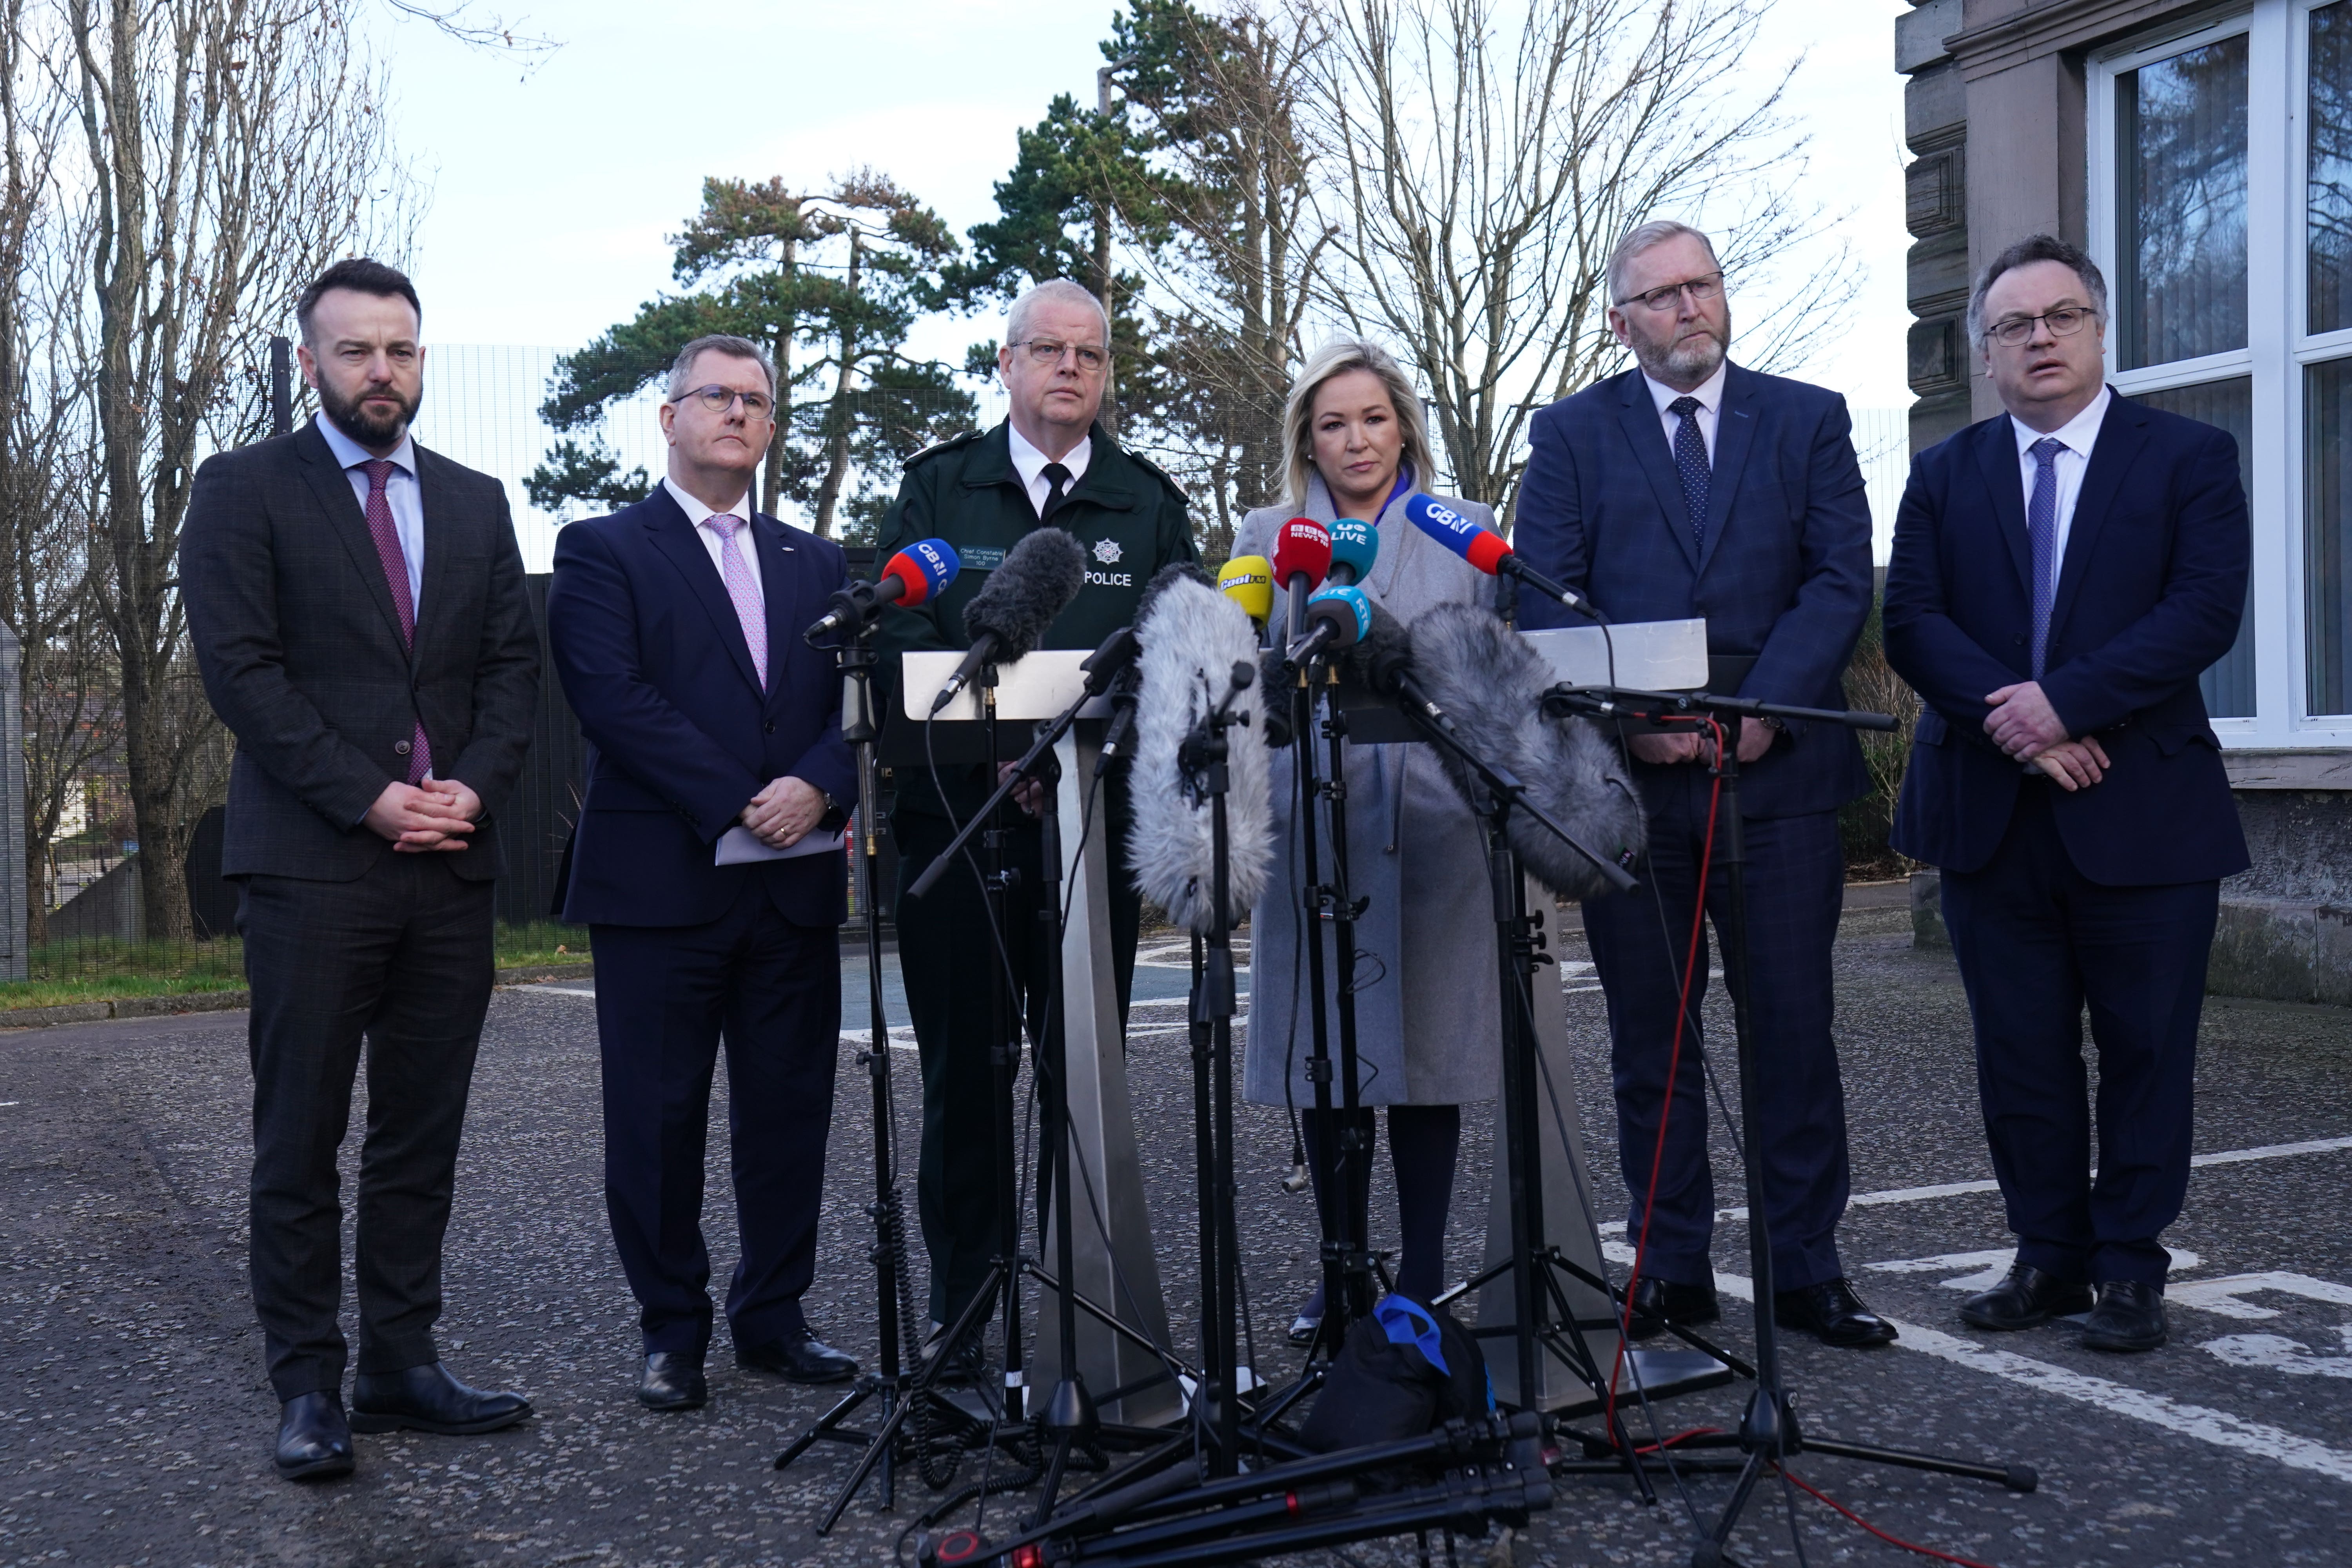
(666,997)
(402,958)
(2035,941)
(950,961)
(1796,891)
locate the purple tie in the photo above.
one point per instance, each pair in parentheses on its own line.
(742,589)
(395,571)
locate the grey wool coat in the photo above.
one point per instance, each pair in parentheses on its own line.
(1427,1004)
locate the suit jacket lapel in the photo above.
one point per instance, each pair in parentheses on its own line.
(781,579)
(1638,416)
(1997,464)
(439,526)
(1735,432)
(2122,433)
(332,488)
(675,537)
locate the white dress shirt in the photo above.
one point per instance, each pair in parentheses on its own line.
(400,492)
(1030,464)
(1709,394)
(713,540)
(2080,434)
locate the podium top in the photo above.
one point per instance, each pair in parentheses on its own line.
(1038,685)
(1650,656)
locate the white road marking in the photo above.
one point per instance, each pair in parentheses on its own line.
(2277,1355)
(2218,1427)
(2220,1296)
(1993,1267)
(1957,1189)
(551,991)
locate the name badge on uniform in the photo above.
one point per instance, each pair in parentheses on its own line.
(979,557)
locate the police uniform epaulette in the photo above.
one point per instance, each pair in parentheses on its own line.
(1157,472)
(950,445)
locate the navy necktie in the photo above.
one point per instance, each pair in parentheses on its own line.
(1690,463)
(2041,527)
(1057,492)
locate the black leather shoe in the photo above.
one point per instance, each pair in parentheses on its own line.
(428,1399)
(798,1357)
(1657,1302)
(1832,1314)
(958,1364)
(2026,1298)
(2129,1316)
(314,1441)
(673,1381)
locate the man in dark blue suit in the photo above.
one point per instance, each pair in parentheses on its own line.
(1689,487)
(2062,573)
(715,751)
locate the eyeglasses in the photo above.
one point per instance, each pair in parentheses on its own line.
(1045,351)
(1668,298)
(2064,323)
(721,399)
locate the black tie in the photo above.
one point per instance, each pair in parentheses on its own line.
(1060,478)
(1690,463)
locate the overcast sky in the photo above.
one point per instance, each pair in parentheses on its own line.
(551,194)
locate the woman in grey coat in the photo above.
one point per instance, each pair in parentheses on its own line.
(1426,1003)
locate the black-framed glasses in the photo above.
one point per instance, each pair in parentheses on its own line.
(720,399)
(2064,323)
(1049,351)
(1701,288)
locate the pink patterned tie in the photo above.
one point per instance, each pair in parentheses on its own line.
(395,571)
(742,589)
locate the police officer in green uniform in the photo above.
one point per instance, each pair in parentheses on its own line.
(1049,463)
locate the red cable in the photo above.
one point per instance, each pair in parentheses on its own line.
(1892,1539)
(1682,1436)
(1674,1063)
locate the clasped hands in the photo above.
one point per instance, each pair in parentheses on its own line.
(1669,746)
(2024,725)
(782,814)
(425,818)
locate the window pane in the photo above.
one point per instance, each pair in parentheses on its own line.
(2229,685)
(2327,531)
(2182,135)
(2331,167)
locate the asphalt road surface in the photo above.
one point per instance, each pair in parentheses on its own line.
(135,1420)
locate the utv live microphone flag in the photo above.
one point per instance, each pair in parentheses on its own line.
(1354,547)
(909,577)
(1488,552)
(1040,576)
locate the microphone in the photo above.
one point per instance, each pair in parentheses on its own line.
(1336,618)
(1354,547)
(909,578)
(1248,581)
(1489,552)
(1302,558)
(1193,637)
(1112,651)
(1040,576)
(1489,683)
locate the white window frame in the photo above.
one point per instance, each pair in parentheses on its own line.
(2278,348)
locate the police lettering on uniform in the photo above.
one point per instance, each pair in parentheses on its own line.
(1049,464)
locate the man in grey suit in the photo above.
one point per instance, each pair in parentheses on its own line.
(358,611)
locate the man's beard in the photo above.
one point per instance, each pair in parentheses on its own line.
(1691,360)
(352,420)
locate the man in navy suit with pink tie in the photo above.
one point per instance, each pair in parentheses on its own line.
(716,750)
(2062,573)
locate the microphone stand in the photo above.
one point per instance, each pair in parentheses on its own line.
(1767,1432)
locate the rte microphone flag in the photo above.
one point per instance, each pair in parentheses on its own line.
(1488,550)
(909,577)
(1039,578)
(1336,618)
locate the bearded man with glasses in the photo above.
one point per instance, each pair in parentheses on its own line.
(1689,486)
(708,867)
(2063,574)
(1050,464)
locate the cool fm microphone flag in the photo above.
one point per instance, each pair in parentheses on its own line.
(1248,581)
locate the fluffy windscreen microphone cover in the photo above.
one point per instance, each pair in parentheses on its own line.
(1383,654)
(1192,635)
(1039,578)
(1491,684)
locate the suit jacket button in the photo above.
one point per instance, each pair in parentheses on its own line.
(770,726)
(400,748)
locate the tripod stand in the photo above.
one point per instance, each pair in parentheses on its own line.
(1767,1432)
